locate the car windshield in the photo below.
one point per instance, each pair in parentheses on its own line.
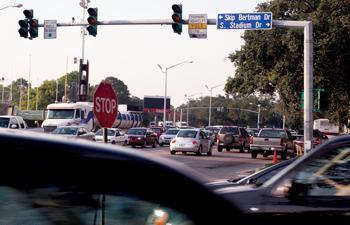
(60,114)
(187,134)
(4,122)
(229,130)
(137,131)
(172,132)
(66,130)
(110,132)
(272,133)
(157,130)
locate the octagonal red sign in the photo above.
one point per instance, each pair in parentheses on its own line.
(105,105)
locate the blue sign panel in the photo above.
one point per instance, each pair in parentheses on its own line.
(246,21)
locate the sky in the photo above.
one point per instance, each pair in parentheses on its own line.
(129,53)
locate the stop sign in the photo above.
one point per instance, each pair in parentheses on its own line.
(105,105)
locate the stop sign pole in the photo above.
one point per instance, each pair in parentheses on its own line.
(105,107)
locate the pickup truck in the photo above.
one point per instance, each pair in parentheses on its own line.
(270,139)
(12,122)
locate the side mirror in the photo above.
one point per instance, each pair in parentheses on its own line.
(14,126)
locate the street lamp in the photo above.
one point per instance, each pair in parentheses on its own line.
(211,92)
(14,6)
(258,113)
(166,80)
(188,103)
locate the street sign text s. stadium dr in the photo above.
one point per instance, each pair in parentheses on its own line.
(247,21)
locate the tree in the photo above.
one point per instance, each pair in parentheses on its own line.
(272,61)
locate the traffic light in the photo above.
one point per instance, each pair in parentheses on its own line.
(177,18)
(92,20)
(28,25)
(33,28)
(23,30)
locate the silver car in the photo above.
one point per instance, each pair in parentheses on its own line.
(191,140)
(74,132)
(166,137)
(114,136)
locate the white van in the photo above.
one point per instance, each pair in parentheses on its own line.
(326,127)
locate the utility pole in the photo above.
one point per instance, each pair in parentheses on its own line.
(30,68)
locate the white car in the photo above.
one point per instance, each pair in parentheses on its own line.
(12,122)
(114,136)
(191,140)
(79,132)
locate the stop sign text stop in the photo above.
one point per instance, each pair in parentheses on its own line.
(105,105)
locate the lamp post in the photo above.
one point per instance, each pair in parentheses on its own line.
(211,92)
(165,84)
(14,6)
(188,104)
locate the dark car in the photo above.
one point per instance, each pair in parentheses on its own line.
(256,179)
(319,182)
(141,137)
(230,137)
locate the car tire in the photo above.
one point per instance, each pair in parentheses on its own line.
(199,151)
(133,146)
(172,152)
(228,149)
(210,153)
(113,142)
(241,149)
(254,155)
(154,145)
(219,148)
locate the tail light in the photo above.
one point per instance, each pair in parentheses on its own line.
(251,140)
(317,141)
(173,141)
(194,142)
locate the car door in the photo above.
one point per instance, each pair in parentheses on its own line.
(204,141)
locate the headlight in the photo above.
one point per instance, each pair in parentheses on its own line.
(139,138)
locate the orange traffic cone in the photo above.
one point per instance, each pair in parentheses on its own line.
(274,160)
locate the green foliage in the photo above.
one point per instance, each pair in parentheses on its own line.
(272,61)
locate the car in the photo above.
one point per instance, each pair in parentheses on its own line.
(167,136)
(141,136)
(12,122)
(66,182)
(230,137)
(211,136)
(257,179)
(114,136)
(191,140)
(253,131)
(215,130)
(319,182)
(79,132)
(158,131)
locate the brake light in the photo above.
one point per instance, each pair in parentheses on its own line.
(194,142)
(173,141)
(251,140)
(317,141)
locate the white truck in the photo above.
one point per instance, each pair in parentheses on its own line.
(326,127)
(81,113)
(67,114)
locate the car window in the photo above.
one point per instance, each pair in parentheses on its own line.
(65,205)
(137,131)
(231,130)
(4,122)
(187,134)
(272,133)
(326,175)
(171,132)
